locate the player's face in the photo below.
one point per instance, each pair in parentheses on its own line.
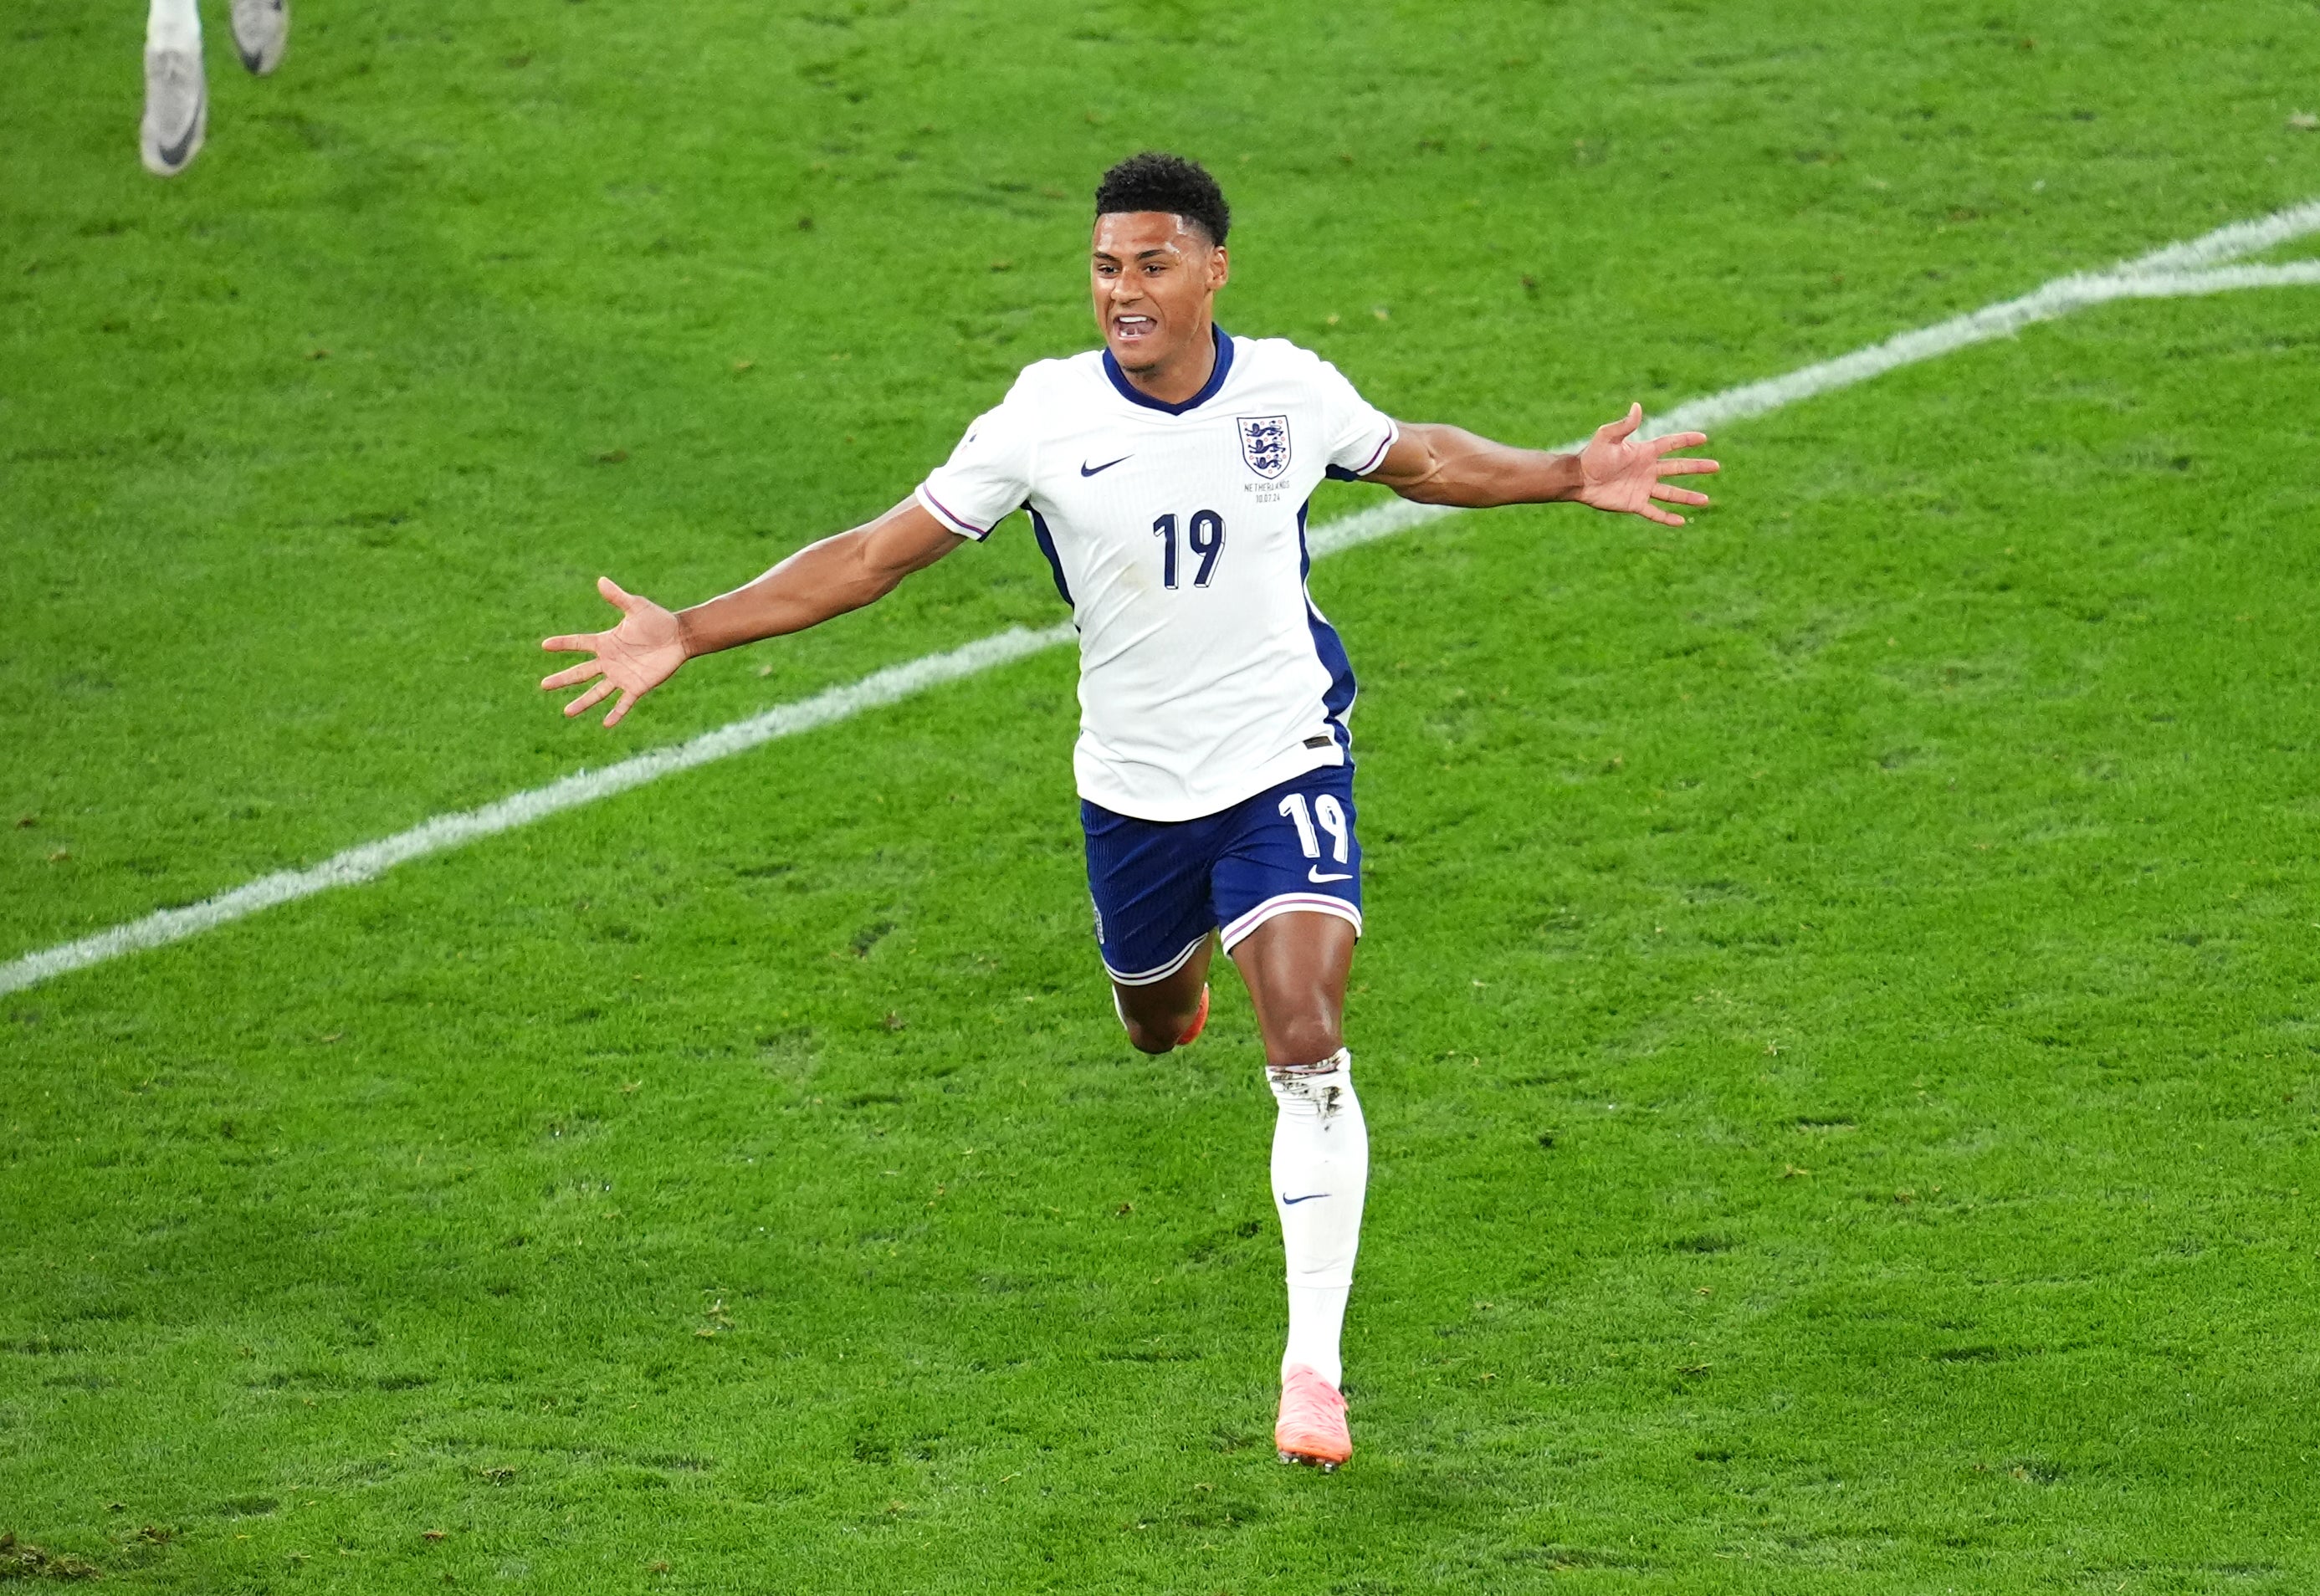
(1153,278)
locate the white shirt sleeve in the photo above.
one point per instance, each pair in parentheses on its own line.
(988,475)
(1359,433)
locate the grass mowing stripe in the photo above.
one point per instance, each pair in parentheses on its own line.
(2176,270)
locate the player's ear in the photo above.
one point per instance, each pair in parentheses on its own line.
(1219,268)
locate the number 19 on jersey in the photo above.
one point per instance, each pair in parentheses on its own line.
(1204,537)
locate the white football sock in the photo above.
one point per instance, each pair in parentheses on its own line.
(1321,1174)
(1317,1315)
(173,24)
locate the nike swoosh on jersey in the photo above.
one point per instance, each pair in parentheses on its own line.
(1293,1201)
(1315,875)
(1088,470)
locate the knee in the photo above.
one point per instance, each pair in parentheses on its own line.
(1161,1018)
(1307,1039)
(1152,1027)
(1145,1039)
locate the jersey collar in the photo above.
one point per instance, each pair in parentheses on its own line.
(1136,396)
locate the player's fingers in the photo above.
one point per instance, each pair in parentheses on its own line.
(1671,494)
(590,699)
(1692,467)
(1612,432)
(627,701)
(1675,440)
(1654,513)
(619,597)
(572,675)
(571,642)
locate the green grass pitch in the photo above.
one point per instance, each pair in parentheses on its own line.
(1838,1018)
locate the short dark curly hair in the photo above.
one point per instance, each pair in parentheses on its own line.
(1153,181)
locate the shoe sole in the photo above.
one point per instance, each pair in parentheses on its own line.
(1328,1465)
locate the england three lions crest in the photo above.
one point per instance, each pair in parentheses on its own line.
(1264,444)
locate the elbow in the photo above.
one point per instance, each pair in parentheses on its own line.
(1439,486)
(874,579)
(871,573)
(1424,486)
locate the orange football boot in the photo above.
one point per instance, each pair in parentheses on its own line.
(1311,1427)
(1200,1022)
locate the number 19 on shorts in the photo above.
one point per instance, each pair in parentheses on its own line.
(1330,815)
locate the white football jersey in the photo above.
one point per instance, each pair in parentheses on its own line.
(1177,535)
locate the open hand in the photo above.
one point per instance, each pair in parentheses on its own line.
(631,659)
(1620,473)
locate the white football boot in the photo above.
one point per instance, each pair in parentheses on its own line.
(261,32)
(176,111)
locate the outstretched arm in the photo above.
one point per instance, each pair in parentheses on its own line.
(1439,464)
(818,581)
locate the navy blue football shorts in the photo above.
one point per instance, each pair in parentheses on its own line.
(1161,886)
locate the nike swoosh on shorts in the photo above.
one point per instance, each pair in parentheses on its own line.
(1315,875)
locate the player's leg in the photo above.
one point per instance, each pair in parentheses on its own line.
(1296,967)
(176,94)
(1290,887)
(1154,922)
(261,32)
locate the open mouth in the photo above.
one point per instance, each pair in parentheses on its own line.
(1133,326)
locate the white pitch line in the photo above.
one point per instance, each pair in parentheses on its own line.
(374,859)
(2061,297)
(2161,274)
(2179,270)
(2236,241)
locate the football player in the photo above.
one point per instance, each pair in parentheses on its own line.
(1167,474)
